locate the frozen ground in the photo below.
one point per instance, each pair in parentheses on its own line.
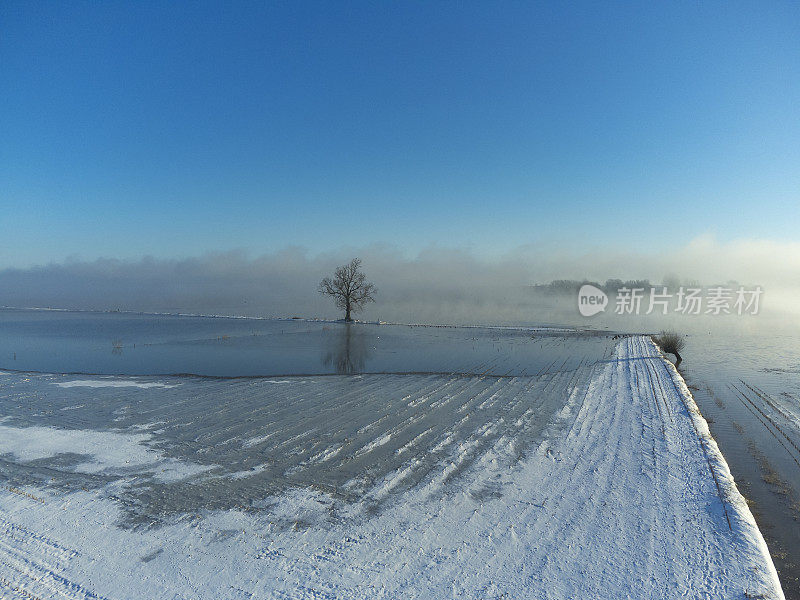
(600,481)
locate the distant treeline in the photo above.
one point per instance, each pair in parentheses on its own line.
(571,286)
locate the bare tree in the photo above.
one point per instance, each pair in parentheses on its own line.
(349,288)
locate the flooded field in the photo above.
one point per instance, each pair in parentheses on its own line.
(235,443)
(748,387)
(113,343)
(385,405)
(324,460)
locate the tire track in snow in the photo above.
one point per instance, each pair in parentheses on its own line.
(32,566)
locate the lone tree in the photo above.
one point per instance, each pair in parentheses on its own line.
(349,288)
(671,343)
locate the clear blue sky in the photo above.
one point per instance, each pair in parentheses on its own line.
(176,128)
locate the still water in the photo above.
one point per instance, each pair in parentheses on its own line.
(414,399)
(132,344)
(748,388)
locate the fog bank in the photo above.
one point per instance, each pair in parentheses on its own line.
(437,286)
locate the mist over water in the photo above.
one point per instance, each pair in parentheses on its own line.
(438,285)
(441,287)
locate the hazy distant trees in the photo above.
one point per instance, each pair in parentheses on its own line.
(571,286)
(349,288)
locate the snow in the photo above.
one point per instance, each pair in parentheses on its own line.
(105,452)
(623,494)
(113,383)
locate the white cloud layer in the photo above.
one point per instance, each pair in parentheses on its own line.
(437,285)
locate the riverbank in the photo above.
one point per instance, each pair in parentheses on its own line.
(598,481)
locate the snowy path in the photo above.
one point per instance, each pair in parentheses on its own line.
(625,496)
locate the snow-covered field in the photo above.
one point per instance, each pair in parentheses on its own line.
(596,482)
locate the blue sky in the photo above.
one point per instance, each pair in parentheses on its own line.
(173,129)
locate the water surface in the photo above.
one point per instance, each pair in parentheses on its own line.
(131,344)
(361,412)
(748,388)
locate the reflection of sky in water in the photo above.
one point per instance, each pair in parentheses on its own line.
(748,387)
(146,344)
(437,401)
(468,394)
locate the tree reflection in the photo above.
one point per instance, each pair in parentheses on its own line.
(347,350)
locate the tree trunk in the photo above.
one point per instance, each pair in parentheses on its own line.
(678,358)
(347,314)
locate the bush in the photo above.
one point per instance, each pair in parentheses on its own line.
(670,342)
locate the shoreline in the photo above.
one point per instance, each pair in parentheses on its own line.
(624,492)
(555,328)
(742,515)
